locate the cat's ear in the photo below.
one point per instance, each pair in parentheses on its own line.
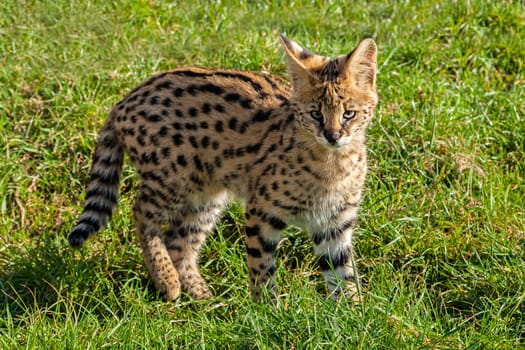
(361,66)
(300,62)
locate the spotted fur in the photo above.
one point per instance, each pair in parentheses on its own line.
(199,137)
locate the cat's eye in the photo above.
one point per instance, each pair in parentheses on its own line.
(317,115)
(348,115)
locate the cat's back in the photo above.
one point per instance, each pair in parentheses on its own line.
(193,100)
(210,119)
(195,92)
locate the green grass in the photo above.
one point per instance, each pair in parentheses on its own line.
(442,232)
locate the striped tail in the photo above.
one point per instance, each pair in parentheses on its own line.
(102,189)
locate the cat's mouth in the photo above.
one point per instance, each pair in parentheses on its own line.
(334,144)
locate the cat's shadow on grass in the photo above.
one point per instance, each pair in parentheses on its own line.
(50,277)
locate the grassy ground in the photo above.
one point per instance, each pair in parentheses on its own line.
(441,238)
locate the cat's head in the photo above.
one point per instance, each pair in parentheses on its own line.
(334,98)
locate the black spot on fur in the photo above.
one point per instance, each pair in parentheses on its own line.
(276,223)
(154,140)
(214,89)
(178,139)
(164,85)
(245,103)
(193,112)
(219,108)
(166,152)
(196,180)
(178,92)
(206,108)
(155,100)
(190,126)
(232,124)
(243,127)
(232,97)
(163,131)
(262,190)
(267,245)
(181,160)
(305,54)
(167,102)
(198,163)
(193,142)
(218,162)
(261,116)
(193,89)
(219,126)
(253,230)
(209,169)
(254,252)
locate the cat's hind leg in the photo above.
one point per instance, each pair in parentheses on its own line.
(149,219)
(184,238)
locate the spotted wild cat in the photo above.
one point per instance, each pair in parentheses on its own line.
(200,137)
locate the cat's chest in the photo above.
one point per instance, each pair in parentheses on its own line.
(312,196)
(321,179)
(322,205)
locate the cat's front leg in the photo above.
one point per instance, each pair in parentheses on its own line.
(334,249)
(263,232)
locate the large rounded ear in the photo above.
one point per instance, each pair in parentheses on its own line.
(361,65)
(300,63)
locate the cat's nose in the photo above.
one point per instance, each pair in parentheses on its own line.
(332,136)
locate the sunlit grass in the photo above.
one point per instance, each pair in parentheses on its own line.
(441,235)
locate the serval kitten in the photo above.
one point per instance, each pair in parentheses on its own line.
(199,137)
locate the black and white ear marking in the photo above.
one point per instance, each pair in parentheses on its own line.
(295,50)
(300,61)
